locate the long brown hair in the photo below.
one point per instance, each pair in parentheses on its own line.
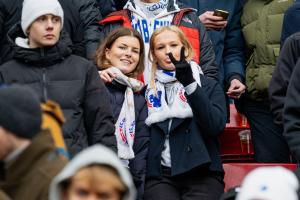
(100,57)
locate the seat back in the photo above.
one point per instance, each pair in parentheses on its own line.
(235,172)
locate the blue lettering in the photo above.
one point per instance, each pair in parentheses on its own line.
(156,23)
(145,31)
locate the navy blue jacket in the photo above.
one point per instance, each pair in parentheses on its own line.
(142,134)
(290,21)
(229,42)
(193,141)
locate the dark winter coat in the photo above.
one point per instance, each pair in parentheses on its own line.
(120,4)
(80,22)
(188,20)
(228,42)
(73,82)
(89,16)
(291,113)
(289,54)
(193,141)
(106,7)
(142,134)
(290,21)
(10,14)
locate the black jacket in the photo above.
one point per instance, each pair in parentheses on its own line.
(106,7)
(291,113)
(80,22)
(193,141)
(90,16)
(73,82)
(142,134)
(285,65)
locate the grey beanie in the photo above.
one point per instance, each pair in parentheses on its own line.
(20,111)
(33,9)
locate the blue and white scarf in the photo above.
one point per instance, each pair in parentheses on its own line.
(167,87)
(152,9)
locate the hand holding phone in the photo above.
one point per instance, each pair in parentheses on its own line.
(221,13)
(214,20)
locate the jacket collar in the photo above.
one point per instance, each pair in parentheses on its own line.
(39,56)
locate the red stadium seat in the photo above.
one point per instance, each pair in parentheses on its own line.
(233,149)
(235,172)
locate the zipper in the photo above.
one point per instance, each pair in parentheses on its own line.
(44,86)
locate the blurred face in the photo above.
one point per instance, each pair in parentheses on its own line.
(6,144)
(81,190)
(164,43)
(124,53)
(44,31)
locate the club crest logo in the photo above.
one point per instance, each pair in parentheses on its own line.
(181,95)
(154,101)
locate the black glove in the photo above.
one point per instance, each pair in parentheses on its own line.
(183,69)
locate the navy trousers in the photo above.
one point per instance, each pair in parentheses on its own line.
(267,137)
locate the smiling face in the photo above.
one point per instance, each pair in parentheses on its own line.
(164,43)
(124,53)
(44,31)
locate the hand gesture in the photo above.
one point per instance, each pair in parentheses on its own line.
(183,69)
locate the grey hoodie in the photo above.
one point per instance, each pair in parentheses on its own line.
(96,154)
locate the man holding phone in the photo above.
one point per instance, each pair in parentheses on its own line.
(222,19)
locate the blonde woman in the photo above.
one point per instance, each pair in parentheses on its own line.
(186,113)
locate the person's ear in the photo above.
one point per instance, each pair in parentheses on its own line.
(107,53)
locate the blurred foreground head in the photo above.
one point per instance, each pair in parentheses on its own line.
(269,183)
(95,173)
(20,117)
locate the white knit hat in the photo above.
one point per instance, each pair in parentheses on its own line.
(269,183)
(32,9)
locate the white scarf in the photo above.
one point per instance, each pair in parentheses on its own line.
(125,125)
(168,87)
(152,9)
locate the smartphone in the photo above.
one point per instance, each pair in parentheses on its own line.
(221,13)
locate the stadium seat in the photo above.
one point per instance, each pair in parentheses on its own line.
(234,148)
(235,172)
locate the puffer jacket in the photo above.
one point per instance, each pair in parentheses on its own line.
(10,14)
(89,16)
(106,7)
(131,16)
(142,134)
(261,26)
(73,82)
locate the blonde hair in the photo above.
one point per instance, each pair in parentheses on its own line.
(103,63)
(183,39)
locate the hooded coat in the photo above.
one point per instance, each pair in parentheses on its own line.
(71,81)
(96,154)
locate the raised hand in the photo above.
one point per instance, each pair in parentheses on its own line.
(183,69)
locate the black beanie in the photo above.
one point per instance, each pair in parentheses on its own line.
(20,111)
